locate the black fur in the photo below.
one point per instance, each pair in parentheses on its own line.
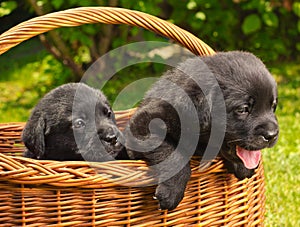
(250,95)
(72,122)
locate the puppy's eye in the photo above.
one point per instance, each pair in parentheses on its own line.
(243,109)
(274,106)
(79,123)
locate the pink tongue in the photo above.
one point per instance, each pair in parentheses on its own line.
(250,158)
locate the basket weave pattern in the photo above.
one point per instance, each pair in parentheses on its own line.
(52,193)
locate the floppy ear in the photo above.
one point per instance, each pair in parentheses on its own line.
(33,138)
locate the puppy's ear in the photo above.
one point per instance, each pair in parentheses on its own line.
(33,137)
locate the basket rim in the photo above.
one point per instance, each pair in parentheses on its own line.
(83,174)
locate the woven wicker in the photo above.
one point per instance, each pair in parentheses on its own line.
(52,193)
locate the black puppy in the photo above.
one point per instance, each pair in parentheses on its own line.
(249,95)
(72,122)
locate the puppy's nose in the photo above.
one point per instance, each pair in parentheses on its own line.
(270,135)
(108,135)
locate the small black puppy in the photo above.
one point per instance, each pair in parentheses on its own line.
(72,122)
(249,94)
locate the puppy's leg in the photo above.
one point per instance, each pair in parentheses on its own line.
(170,192)
(169,161)
(172,171)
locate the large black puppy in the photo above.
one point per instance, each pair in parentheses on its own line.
(249,94)
(72,122)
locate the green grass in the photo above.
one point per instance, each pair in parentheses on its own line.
(27,73)
(282,162)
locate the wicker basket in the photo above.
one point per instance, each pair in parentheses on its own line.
(52,193)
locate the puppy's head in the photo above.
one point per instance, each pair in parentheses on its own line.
(250,94)
(72,122)
(94,125)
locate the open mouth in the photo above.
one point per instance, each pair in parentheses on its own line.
(250,159)
(112,148)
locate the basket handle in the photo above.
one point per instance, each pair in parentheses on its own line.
(108,15)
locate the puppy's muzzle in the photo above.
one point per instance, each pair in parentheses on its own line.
(268,134)
(110,135)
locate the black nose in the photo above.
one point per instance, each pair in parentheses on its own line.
(270,135)
(108,135)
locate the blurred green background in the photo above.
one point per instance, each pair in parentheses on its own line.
(269,29)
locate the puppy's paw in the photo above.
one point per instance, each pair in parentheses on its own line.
(168,196)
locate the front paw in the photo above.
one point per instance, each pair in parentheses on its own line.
(169,196)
